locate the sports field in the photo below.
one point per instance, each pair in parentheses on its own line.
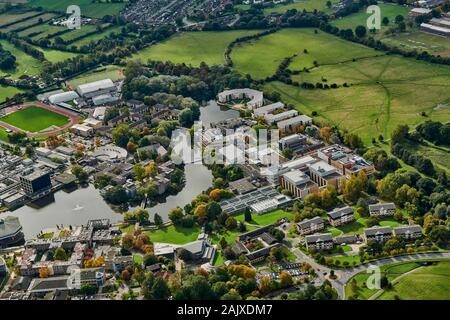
(383,92)
(193,47)
(254,58)
(427,283)
(25,64)
(388,10)
(88,7)
(34,119)
(300,5)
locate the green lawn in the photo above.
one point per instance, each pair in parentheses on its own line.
(428,283)
(391,271)
(25,64)
(193,47)
(138,259)
(108,72)
(254,58)
(56,55)
(40,31)
(35,119)
(3,135)
(383,92)
(388,10)
(88,7)
(8,92)
(267,218)
(300,5)
(218,259)
(76,33)
(172,234)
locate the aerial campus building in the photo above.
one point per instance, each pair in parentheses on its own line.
(97,88)
(257,98)
(63,97)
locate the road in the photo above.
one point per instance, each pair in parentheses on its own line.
(343,275)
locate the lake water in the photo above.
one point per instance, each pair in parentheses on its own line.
(78,206)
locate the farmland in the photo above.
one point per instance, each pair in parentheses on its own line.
(88,7)
(384,92)
(34,119)
(254,59)
(29,22)
(96,37)
(192,48)
(40,31)
(7,18)
(300,5)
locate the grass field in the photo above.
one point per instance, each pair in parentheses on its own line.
(40,31)
(267,218)
(7,18)
(428,283)
(96,37)
(76,33)
(391,271)
(88,7)
(300,5)
(172,234)
(45,17)
(8,92)
(421,41)
(3,135)
(112,72)
(384,92)
(25,64)
(34,119)
(388,10)
(192,48)
(254,58)
(56,55)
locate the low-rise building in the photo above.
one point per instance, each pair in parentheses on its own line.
(308,226)
(82,130)
(379,234)
(340,216)
(382,209)
(293,124)
(323,241)
(411,232)
(298,183)
(324,174)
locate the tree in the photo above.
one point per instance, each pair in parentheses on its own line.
(286,279)
(360,31)
(121,135)
(80,173)
(231,223)
(186,118)
(158,220)
(160,289)
(223,243)
(44,272)
(385,21)
(60,254)
(247,215)
(149,259)
(88,289)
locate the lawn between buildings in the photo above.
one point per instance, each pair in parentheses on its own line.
(34,119)
(423,282)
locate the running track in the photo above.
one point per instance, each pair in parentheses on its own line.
(71,115)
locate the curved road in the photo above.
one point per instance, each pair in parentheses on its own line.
(345,274)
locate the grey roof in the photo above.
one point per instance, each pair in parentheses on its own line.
(268,238)
(345,239)
(308,222)
(407,229)
(321,237)
(339,212)
(95,86)
(377,230)
(9,226)
(380,206)
(49,284)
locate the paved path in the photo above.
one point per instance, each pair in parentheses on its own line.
(345,274)
(69,114)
